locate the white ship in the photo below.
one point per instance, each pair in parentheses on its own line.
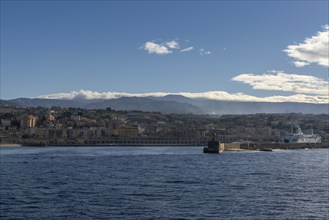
(300,137)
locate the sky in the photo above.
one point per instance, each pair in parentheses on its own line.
(227,50)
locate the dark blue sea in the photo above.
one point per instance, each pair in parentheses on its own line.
(162,183)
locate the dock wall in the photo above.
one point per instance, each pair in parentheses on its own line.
(285,146)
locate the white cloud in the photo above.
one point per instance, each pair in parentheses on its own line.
(152,47)
(313,50)
(213,95)
(87,94)
(173,44)
(241,97)
(187,49)
(280,81)
(300,63)
(161,47)
(204,52)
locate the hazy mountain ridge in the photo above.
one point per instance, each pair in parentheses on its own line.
(146,104)
(8,103)
(175,104)
(235,107)
(35,102)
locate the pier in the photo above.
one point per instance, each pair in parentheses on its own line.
(284,146)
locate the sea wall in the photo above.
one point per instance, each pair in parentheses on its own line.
(284,146)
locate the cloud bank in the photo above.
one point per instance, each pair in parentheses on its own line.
(313,50)
(280,81)
(212,95)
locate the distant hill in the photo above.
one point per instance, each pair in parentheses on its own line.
(176,98)
(235,107)
(176,104)
(26,102)
(4,103)
(146,104)
(230,107)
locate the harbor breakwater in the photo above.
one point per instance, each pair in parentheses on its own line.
(284,146)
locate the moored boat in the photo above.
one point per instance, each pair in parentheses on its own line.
(300,137)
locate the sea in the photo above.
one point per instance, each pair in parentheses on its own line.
(162,183)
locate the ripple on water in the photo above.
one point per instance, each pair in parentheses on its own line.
(168,183)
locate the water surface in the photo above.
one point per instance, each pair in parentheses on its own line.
(162,183)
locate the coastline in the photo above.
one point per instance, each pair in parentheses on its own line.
(229,147)
(11,145)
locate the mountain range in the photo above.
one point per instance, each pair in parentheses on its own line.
(174,104)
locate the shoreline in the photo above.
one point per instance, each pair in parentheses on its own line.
(11,145)
(228,148)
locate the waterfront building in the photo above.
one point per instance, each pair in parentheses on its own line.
(126,131)
(31,121)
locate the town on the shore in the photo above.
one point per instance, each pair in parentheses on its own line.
(77,126)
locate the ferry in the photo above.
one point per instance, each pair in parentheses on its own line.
(300,137)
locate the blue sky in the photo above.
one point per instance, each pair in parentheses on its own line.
(51,47)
